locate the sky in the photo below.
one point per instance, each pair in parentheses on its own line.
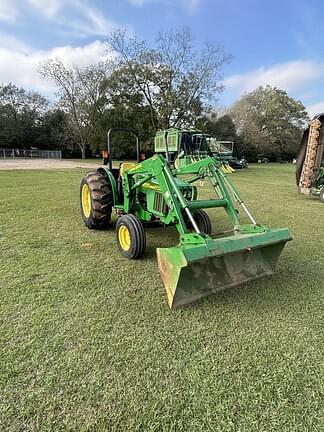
(271,42)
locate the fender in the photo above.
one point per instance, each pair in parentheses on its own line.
(106,171)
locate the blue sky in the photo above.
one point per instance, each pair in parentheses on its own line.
(272,42)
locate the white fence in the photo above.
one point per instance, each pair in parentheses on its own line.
(21,153)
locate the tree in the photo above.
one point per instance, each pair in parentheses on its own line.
(173,78)
(223,128)
(83,95)
(269,121)
(53,131)
(20,114)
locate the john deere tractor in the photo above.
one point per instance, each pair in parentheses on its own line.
(191,145)
(153,190)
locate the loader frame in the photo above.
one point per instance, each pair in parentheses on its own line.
(201,263)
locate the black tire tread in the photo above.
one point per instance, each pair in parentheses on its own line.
(101,200)
(203,221)
(138,236)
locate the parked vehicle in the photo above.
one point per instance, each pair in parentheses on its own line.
(262,159)
(244,162)
(234,163)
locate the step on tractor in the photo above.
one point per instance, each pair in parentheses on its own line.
(310,160)
(155,191)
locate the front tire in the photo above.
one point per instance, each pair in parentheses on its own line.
(203,221)
(131,237)
(96,200)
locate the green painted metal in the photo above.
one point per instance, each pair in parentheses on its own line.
(200,264)
(318,184)
(106,171)
(191,145)
(193,271)
(177,139)
(173,139)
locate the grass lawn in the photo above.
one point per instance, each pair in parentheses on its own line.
(89,343)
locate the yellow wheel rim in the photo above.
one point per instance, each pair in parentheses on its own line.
(124,237)
(86,200)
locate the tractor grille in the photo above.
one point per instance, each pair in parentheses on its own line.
(159,204)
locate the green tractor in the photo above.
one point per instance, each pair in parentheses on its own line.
(191,145)
(152,190)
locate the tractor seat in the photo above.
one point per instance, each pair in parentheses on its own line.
(125,166)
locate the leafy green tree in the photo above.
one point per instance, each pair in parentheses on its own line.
(20,114)
(95,99)
(83,96)
(173,77)
(53,131)
(126,108)
(269,121)
(223,128)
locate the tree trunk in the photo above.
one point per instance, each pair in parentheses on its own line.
(83,151)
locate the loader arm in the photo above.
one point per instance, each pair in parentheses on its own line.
(157,167)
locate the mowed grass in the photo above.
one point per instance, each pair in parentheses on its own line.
(89,343)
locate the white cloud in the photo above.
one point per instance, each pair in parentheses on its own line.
(288,76)
(88,22)
(85,20)
(48,8)
(190,6)
(20,66)
(81,56)
(12,43)
(8,11)
(315,108)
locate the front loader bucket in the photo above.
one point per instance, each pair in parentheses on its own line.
(192,271)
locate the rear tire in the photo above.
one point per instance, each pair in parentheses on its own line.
(203,221)
(131,237)
(321,195)
(96,200)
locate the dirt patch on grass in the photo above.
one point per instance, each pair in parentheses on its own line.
(17,164)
